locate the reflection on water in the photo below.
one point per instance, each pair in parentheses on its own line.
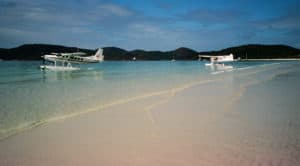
(220,67)
(71,75)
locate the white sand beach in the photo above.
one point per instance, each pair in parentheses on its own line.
(248,117)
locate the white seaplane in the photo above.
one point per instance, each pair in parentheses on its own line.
(63,61)
(218,63)
(216,59)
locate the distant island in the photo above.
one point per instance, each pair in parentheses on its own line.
(250,51)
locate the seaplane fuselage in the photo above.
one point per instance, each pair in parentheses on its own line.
(77,57)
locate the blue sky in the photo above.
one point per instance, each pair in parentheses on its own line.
(150,24)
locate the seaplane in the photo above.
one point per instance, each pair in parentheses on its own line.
(217,62)
(63,61)
(216,59)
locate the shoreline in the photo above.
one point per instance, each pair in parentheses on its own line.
(172,91)
(287,59)
(184,60)
(173,128)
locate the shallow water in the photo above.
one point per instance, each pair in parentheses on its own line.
(263,126)
(154,113)
(29,96)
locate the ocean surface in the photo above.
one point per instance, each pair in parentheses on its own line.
(30,97)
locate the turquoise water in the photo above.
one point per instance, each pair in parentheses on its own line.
(29,96)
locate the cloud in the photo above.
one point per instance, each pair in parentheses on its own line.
(112,9)
(49,22)
(90,24)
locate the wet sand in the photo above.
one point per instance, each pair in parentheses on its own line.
(248,117)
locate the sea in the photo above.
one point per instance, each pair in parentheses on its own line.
(30,97)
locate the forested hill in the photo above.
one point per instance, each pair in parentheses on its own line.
(35,51)
(253,51)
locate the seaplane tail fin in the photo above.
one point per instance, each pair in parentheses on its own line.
(99,54)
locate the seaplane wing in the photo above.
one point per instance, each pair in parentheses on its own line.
(77,57)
